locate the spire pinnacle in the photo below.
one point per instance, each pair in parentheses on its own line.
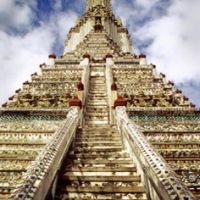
(94,3)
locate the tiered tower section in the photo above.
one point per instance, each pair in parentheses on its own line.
(99,123)
(98,18)
(51,88)
(31,118)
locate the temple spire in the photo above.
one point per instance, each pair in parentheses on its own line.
(93,3)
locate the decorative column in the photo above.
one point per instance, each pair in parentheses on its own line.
(143,60)
(4,105)
(80,90)
(109,60)
(86,60)
(113,93)
(120,101)
(75,101)
(52,58)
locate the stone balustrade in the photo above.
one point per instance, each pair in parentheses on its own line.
(22,138)
(40,175)
(176,137)
(160,179)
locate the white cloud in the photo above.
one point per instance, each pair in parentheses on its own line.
(171,26)
(17,15)
(21,55)
(175,46)
(172,36)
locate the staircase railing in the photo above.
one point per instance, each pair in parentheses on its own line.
(161,182)
(42,174)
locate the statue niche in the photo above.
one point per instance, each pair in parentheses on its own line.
(98,27)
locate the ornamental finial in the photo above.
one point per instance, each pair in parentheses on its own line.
(94,3)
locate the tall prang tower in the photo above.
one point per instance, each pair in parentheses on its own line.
(99,123)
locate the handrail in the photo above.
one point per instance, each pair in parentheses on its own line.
(161,181)
(41,174)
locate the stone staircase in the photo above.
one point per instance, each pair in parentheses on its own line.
(97,102)
(97,167)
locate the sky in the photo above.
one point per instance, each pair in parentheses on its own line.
(167,31)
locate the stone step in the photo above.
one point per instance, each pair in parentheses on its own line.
(98,68)
(98,165)
(98,149)
(97,105)
(97,85)
(106,162)
(105,131)
(102,44)
(99,127)
(97,102)
(105,107)
(102,178)
(93,132)
(97,114)
(107,189)
(98,109)
(98,119)
(97,95)
(97,78)
(98,155)
(102,196)
(96,122)
(101,173)
(97,88)
(107,128)
(99,139)
(94,83)
(104,134)
(97,144)
(100,169)
(97,98)
(97,91)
